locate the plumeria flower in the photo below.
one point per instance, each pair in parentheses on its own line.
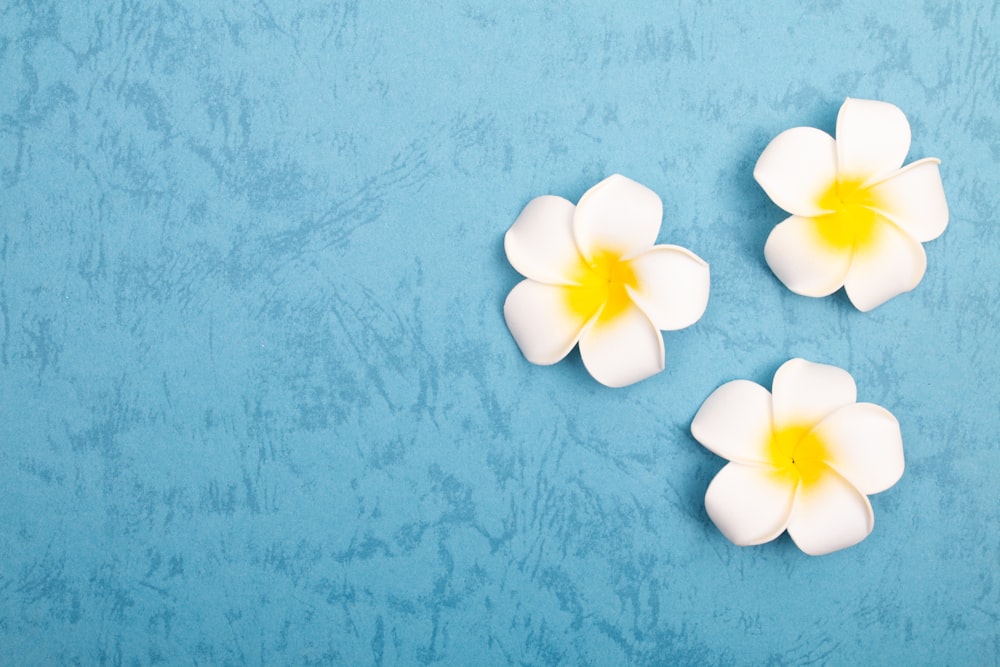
(803,458)
(858,219)
(593,276)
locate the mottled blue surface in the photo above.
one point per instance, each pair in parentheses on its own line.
(258,404)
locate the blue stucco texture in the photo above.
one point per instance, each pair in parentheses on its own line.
(258,403)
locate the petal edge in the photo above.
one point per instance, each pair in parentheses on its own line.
(829,515)
(796,168)
(913,198)
(873,138)
(805,392)
(673,286)
(802,262)
(749,505)
(865,446)
(624,350)
(892,263)
(540,244)
(617,216)
(734,422)
(543,328)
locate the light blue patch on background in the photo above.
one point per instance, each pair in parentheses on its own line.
(258,404)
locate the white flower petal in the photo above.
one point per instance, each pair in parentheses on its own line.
(800,260)
(872,139)
(890,263)
(617,216)
(542,324)
(672,286)
(797,168)
(913,198)
(540,243)
(864,445)
(735,422)
(829,514)
(623,349)
(750,505)
(803,393)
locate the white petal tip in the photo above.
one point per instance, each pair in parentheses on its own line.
(537,319)
(622,383)
(617,215)
(748,504)
(672,286)
(623,351)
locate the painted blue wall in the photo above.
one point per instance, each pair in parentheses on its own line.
(258,404)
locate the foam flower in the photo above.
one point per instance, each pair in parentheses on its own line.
(858,219)
(803,458)
(594,277)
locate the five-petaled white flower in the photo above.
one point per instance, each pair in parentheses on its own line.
(858,219)
(802,458)
(593,276)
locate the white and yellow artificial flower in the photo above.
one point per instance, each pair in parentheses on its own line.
(803,458)
(593,276)
(858,219)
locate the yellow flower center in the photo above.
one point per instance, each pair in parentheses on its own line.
(798,453)
(603,282)
(852,222)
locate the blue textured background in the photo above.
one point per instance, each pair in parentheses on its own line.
(258,404)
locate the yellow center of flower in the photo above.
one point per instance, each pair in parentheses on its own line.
(602,282)
(852,222)
(798,453)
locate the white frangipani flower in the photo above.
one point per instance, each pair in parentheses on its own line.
(803,458)
(858,219)
(593,276)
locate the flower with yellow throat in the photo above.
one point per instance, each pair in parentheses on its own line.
(803,458)
(593,276)
(857,218)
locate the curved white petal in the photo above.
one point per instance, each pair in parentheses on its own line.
(797,168)
(540,243)
(735,422)
(913,198)
(622,350)
(542,325)
(803,392)
(617,216)
(872,139)
(800,259)
(864,444)
(750,505)
(890,263)
(829,515)
(672,286)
